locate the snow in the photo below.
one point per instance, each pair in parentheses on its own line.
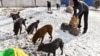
(83,45)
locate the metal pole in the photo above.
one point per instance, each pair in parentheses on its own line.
(35,3)
(1,3)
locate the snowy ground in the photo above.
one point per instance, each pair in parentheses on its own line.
(82,45)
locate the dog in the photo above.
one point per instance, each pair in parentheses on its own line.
(18,25)
(32,26)
(70,29)
(52,47)
(15,16)
(41,32)
(74,22)
(64,27)
(74,31)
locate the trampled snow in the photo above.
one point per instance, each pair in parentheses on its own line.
(83,45)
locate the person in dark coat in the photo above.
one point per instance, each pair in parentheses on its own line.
(49,5)
(83,10)
(58,6)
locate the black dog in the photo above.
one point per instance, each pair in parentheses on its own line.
(15,16)
(65,26)
(31,27)
(51,47)
(70,29)
(83,10)
(18,25)
(58,6)
(49,5)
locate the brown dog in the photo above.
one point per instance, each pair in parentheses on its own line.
(74,22)
(41,32)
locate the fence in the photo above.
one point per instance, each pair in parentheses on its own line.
(26,3)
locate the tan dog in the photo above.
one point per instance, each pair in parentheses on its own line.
(74,22)
(40,33)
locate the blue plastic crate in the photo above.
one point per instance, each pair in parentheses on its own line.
(89,2)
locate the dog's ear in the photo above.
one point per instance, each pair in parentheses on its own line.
(11,14)
(38,21)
